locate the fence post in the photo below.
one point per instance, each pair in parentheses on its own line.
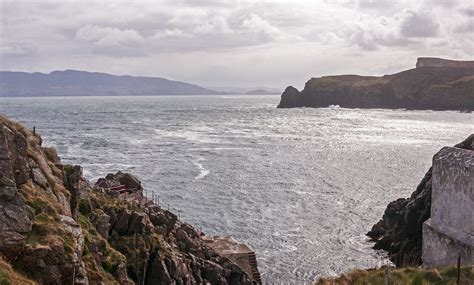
(385,281)
(458,280)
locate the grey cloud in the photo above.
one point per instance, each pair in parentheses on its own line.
(184,37)
(442,3)
(466,27)
(419,25)
(376,4)
(17,49)
(373,33)
(469,12)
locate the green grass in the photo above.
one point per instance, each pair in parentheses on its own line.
(110,267)
(85,207)
(403,276)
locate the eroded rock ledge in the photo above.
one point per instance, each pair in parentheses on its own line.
(56,228)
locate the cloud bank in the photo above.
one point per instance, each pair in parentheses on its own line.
(236,42)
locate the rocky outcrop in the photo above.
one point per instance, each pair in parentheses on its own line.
(435,84)
(57,228)
(440,62)
(400,230)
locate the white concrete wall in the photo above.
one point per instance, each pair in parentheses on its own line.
(451,228)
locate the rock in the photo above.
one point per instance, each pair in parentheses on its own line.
(38,178)
(103,225)
(158,272)
(122,222)
(15,222)
(76,231)
(290,98)
(137,223)
(72,177)
(51,154)
(130,181)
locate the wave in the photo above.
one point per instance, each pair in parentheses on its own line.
(203,172)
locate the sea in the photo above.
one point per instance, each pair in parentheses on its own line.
(301,186)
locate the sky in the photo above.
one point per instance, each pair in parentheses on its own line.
(236,42)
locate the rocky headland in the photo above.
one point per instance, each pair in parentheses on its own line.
(435,84)
(57,228)
(400,231)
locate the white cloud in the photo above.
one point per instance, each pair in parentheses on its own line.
(220,42)
(171,34)
(255,23)
(108,36)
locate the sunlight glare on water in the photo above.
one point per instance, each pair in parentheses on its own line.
(302,186)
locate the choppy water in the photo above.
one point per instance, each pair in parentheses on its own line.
(302,186)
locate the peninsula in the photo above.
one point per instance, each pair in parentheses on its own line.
(435,84)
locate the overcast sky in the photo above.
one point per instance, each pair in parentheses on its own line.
(233,43)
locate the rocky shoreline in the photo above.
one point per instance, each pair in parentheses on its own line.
(57,228)
(435,84)
(399,232)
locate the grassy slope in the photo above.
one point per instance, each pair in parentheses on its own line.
(403,276)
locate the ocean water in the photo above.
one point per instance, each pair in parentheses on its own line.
(301,186)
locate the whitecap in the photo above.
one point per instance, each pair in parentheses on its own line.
(203,172)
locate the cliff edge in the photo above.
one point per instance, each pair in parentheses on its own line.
(57,228)
(435,84)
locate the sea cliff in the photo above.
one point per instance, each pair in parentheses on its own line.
(435,84)
(57,228)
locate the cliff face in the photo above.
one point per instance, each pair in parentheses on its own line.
(440,62)
(436,84)
(400,230)
(56,228)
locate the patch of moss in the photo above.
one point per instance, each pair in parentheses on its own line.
(37,205)
(85,207)
(8,275)
(110,267)
(39,230)
(4,279)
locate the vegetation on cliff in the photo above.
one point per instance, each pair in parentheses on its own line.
(432,85)
(402,276)
(56,228)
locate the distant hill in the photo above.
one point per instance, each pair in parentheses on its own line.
(435,83)
(261,92)
(246,91)
(82,83)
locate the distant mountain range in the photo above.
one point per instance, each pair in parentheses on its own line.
(82,83)
(435,83)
